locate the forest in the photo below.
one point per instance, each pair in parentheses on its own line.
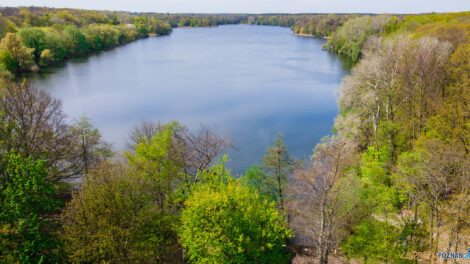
(391,184)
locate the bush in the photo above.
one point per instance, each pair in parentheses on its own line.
(46,58)
(7,61)
(227,222)
(26,205)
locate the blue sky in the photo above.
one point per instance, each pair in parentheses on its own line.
(257,6)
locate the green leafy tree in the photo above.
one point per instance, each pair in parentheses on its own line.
(375,242)
(33,38)
(258,178)
(26,205)
(135,200)
(7,61)
(157,159)
(225,221)
(6,26)
(13,55)
(75,41)
(142,26)
(55,43)
(115,219)
(278,163)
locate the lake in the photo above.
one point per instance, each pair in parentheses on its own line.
(247,82)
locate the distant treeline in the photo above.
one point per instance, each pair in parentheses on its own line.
(35,37)
(46,36)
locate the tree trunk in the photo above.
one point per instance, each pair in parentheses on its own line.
(281,202)
(324,255)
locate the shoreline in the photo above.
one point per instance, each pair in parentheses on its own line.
(198,27)
(309,36)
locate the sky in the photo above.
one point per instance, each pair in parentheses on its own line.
(256,6)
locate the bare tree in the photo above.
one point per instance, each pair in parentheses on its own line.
(460,205)
(145,129)
(436,172)
(202,147)
(90,147)
(33,125)
(322,202)
(194,150)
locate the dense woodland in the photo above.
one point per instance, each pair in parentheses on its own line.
(393,178)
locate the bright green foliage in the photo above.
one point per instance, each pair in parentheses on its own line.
(376,181)
(375,242)
(257,177)
(141,25)
(102,36)
(415,22)
(75,41)
(26,203)
(55,43)
(7,61)
(225,221)
(33,38)
(349,39)
(154,160)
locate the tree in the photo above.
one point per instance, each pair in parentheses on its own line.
(6,26)
(194,151)
(90,146)
(34,126)
(75,41)
(142,131)
(157,162)
(55,43)
(323,199)
(26,208)
(7,61)
(160,27)
(350,38)
(33,38)
(434,170)
(203,146)
(374,240)
(278,163)
(257,177)
(224,221)
(13,54)
(46,58)
(115,218)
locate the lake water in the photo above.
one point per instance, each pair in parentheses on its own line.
(248,82)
